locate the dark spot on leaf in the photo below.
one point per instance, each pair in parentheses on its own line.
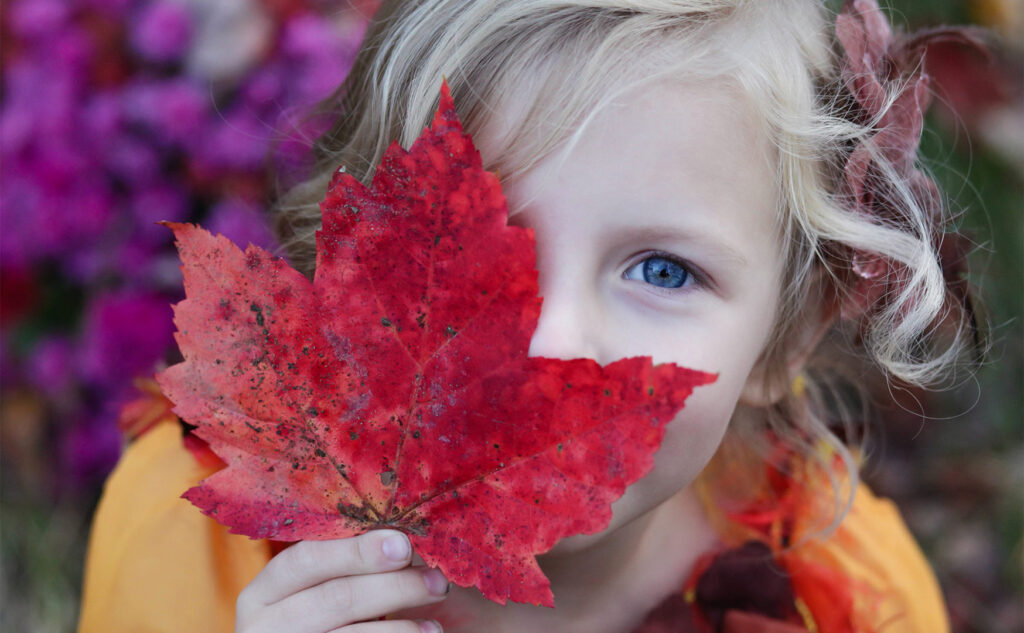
(496,446)
(320,452)
(288,521)
(259,313)
(559,447)
(416,435)
(353,436)
(254,428)
(437,239)
(386,322)
(312,412)
(650,391)
(450,331)
(387,477)
(607,392)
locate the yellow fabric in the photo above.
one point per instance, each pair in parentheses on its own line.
(156,564)
(874,548)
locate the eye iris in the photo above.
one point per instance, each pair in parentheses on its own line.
(664,272)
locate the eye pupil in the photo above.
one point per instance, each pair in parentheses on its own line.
(663,272)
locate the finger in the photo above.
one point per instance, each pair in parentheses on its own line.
(309,563)
(392,626)
(344,601)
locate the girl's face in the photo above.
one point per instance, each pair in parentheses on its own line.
(656,236)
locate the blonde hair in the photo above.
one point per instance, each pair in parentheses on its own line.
(780,53)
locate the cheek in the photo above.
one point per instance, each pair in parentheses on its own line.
(691,440)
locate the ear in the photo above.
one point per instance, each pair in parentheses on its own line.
(766,385)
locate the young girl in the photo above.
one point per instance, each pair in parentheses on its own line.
(722,184)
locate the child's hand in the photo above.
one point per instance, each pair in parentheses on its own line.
(321,586)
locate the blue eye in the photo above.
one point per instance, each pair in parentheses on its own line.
(660,271)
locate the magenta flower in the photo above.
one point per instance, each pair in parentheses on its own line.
(162,30)
(241,223)
(126,333)
(111,120)
(37,18)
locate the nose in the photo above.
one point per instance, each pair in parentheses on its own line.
(568,326)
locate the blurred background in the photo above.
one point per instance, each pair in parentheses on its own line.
(116,114)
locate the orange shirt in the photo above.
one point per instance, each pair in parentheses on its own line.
(155,564)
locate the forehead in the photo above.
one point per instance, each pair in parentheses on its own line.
(691,155)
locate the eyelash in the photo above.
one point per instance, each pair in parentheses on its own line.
(695,277)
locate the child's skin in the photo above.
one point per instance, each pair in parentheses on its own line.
(677,170)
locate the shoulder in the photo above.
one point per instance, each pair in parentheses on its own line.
(874,554)
(154,561)
(865,575)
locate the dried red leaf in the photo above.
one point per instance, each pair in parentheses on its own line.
(395,389)
(885,75)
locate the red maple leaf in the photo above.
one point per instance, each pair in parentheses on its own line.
(394,390)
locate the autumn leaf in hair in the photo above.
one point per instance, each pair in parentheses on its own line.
(886,77)
(394,390)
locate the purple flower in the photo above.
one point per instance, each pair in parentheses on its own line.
(72,49)
(131,159)
(157,203)
(51,366)
(266,87)
(161,32)
(74,219)
(318,55)
(18,199)
(88,451)
(309,35)
(37,104)
(174,110)
(101,117)
(125,334)
(241,223)
(238,142)
(108,124)
(37,18)
(144,262)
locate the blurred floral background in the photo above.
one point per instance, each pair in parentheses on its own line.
(117,114)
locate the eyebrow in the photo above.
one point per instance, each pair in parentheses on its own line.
(719,247)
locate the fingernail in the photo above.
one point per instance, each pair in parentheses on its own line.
(396,547)
(429,626)
(437,584)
